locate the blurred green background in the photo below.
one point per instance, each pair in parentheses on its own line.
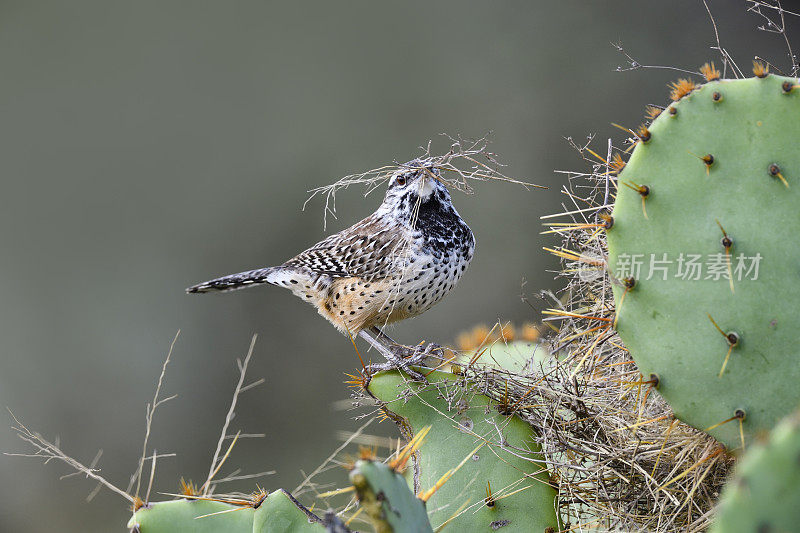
(150,145)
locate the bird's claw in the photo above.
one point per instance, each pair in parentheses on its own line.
(419,353)
(398,364)
(406,358)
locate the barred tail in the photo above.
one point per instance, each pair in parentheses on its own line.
(236,281)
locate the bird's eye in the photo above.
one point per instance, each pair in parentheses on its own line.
(401,180)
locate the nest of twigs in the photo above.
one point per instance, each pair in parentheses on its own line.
(622,461)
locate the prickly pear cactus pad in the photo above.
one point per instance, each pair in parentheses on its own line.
(764,493)
(276,513)
(517,350)
(281,513)
(521,357)
(191,515)
(498,479)
(704,249)
(389,502)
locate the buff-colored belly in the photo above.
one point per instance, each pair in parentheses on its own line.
(352,304)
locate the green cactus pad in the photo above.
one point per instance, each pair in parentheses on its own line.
(460,420)
(184,515)
(522,357)
(281,513)
(751,129)
(278,513)
(764,493)
(385,496)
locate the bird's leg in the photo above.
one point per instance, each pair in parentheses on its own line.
(383,337)
(376,340)
(417,354)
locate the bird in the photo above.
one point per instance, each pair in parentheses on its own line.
(394,264)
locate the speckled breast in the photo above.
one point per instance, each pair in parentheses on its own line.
(442,250)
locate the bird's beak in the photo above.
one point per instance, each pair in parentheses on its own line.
(426,186)
(427,183)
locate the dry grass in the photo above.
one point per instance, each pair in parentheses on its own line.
(623,460)
(48,451)
(466,160)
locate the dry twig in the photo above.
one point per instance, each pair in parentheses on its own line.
(467,160)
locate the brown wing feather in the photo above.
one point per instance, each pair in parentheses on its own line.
(366,250)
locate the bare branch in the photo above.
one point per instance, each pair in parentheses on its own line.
(150,411)
(215,462)
(775,25)
(47,450)
(307,480)
(633,64)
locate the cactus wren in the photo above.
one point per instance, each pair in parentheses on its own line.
(395,264)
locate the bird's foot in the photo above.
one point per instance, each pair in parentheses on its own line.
(405,358)
(419,353)
(399,365)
